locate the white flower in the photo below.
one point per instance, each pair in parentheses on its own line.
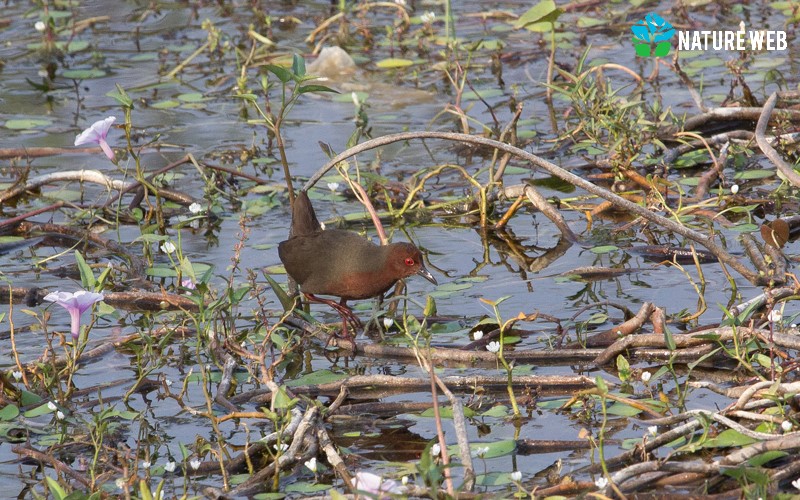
(387,323)
(619,333)
(146,464)
(435,450)
(60,415)
(646,377)
(796,483)
(311,463)
(401,3)
(477,334)
(120,482)
(195,208)
(282,447)
(167,247)
(42,72)
(169,466)
(774,316)
(376,486)
(16,374)
(168,382)
(653,430)
(516,475)
(195,463)
(734,189)
(404,480)
(786,426)
(428,17)
(40,26)
(322,225)
(333,186)
(481,452)
(51,406)
(794,325)
(493,346)
(601,482)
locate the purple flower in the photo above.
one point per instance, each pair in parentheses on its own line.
(188,283)
(366,482)
(76,303)
(96,134)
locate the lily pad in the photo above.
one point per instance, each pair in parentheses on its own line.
(27,123)
(83,74)
(394,62)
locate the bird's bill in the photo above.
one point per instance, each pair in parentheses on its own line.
(427,275)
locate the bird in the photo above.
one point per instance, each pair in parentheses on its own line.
(342,263)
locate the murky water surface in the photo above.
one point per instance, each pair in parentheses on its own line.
(134,44)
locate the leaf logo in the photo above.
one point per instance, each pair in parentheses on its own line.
(651,36)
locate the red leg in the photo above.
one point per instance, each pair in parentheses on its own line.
(347,315)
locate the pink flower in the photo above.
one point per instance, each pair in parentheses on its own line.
(366,482)
(76,303)
(96,134)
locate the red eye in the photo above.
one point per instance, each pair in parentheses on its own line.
(409,261)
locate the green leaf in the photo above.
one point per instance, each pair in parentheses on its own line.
(604,249)
(83,74)
(27,123)
(447,412)
(161,272)
(306,487)
(601,384)
(499,411)
(495,449)
(87,277)
(394,62)
(122,97)
(55,489)
(317,377)
(749,175)
(728,438)
(766,457)
(298,65)
(40,410)
(623,410)
(315,88)
(623,368)
(9,412)
(286,302)
(281,399)
(430,307)
(542,12)
(283,74)
(669,340)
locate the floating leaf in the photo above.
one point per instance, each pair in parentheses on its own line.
(749,175)
(192,97)
(27,123)
(165,104)
(604,249)
(317,377)
(9,412)
(539,17)
(483,93)
(83,74)
(495,449)
(394,62)
(306,487)
(728,438)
